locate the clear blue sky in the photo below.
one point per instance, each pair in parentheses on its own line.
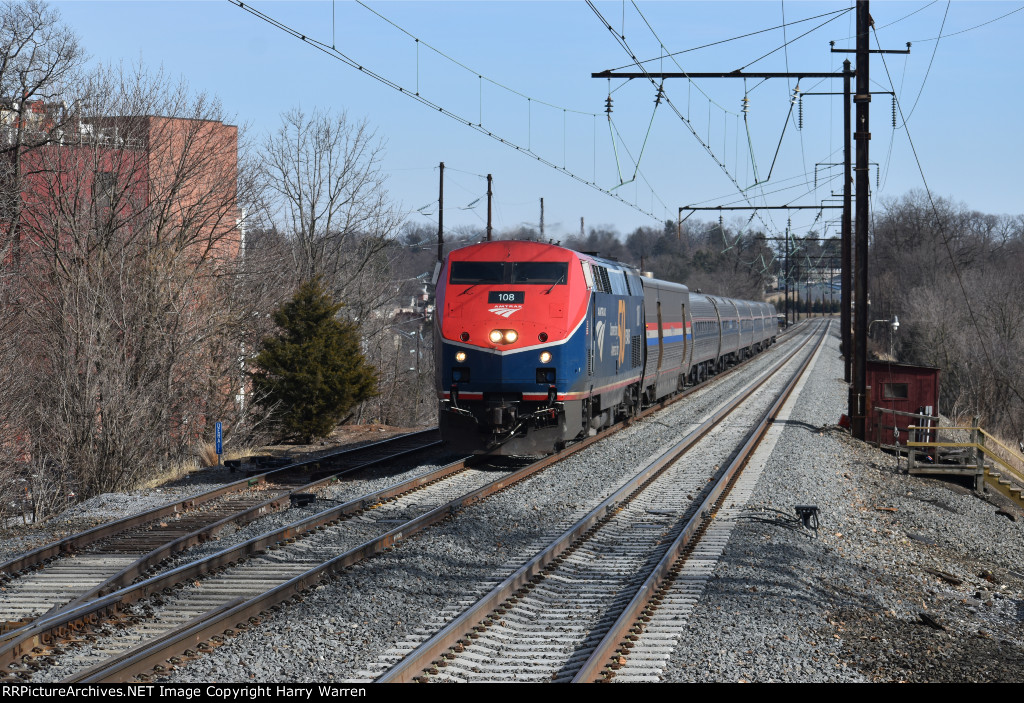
(963,90)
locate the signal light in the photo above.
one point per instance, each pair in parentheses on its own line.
(511,336)
(464,336)
(543,336)
(545,357)
(460,356)
(495,336)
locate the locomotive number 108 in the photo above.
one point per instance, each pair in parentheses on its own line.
(506,296)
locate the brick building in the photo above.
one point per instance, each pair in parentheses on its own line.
(173,179)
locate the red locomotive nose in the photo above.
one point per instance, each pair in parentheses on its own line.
(508,296)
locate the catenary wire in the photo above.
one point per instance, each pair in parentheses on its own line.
(340,56)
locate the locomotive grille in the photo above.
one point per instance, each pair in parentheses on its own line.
(637,351)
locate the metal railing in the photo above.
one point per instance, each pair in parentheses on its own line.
(1007,464)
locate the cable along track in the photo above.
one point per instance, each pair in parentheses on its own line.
(99,561)
(566,612)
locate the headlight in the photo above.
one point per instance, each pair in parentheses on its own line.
(545,357)
(460,356)
(503,336)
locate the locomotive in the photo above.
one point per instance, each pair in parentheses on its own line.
(537,345)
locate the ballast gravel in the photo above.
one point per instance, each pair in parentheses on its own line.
(859,600)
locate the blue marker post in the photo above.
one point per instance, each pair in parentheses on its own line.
(220,442)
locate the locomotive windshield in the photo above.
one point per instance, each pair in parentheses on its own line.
(520,272)
(470,272)
(544,272)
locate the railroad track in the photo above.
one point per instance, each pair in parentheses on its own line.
(101,560)
(279,566)
(574,611)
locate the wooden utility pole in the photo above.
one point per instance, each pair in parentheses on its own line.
(440,217)
(786,278)
(858,395)
(542,219)
(847,226)
(855,271)
(489,194)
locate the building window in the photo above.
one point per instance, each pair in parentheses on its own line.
(103,189)
(895,391)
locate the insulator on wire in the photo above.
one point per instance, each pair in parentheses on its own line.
(608,106)
(661,94)
(746,104)
(800,120)
(894,112)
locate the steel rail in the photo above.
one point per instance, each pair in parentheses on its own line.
(146,655)
(143,565)
(143,657)
(628,623)
(180,632)
(476,617)
(78,615)
(150,561)
(85,538)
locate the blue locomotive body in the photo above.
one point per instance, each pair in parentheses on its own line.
(537,345)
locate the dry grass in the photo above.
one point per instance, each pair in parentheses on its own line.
(239,453)
(206,454)
(170,472)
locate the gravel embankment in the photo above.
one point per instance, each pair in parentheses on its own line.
(854,602)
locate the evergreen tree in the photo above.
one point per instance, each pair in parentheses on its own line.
(312,372)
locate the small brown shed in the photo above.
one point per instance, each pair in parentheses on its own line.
(897,390)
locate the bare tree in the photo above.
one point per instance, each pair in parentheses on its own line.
(953,277)
(39,62)
(326,192)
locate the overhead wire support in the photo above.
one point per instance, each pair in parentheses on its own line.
(652,75)
(716,74)
(761,207)
(872,51)
(684,119)
(994,369)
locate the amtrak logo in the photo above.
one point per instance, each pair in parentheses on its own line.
(504,312)
(599,334)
